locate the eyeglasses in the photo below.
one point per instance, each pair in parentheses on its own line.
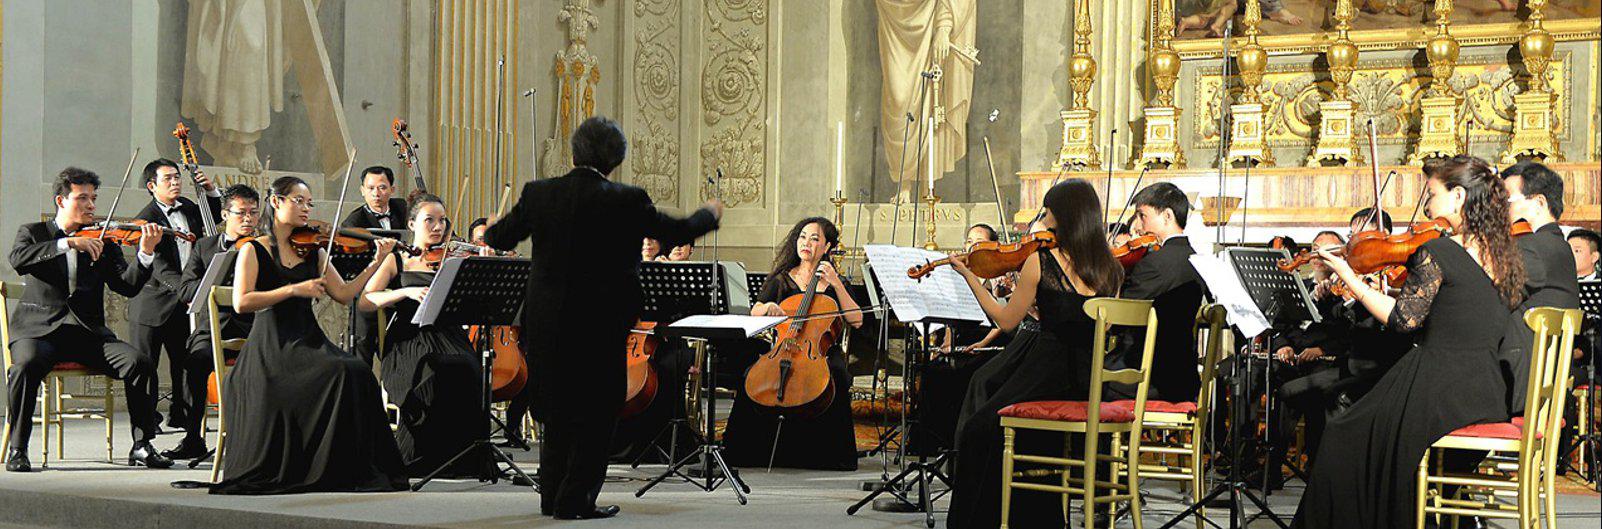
(300,201)
(244,212)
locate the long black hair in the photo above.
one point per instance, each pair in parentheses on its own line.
(1076,207)
(280,188)
(786,259)
(1485,220)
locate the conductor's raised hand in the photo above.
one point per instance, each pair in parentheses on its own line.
(716,207)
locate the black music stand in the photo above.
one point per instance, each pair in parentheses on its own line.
(675,291)
(1591,304)
(1281,297)
(478,291)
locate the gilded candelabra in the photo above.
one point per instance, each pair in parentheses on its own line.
(1534,134)
(1438,137)
(1247,142)
(1079,121)
(929,229)
(1161,146)
(1336,140)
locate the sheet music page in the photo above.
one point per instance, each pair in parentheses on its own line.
(942,294)
(214,271)
(750,325)
(1226,289)
(434,301)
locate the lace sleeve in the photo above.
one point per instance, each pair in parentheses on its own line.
(1418,293)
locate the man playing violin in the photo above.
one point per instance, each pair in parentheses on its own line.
(62,316)
(240,213)
(1166,277)
(380,211)
(155,319)
(1535,195)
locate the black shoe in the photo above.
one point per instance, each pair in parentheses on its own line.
(17,461)
(1276,481)
(189,448)
(176,420)
(144,454)
(604,511)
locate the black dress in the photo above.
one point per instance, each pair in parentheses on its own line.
(303,415)
(826,441)
(1449,380)
(1048,360)
(433,375)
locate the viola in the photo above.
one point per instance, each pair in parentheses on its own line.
(317,234)
(991,259)
(509,371)
(793,377)
(642,386)
(127,233)
(1130,253)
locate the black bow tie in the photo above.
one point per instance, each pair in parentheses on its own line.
(381,216)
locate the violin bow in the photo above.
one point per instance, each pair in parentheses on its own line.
(334,226)
(1001,214)
(500,112)
(126,173)
(1373,164)
(1127,202)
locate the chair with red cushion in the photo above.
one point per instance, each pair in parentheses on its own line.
(1531,477)
(1093,419)
(52,400)
(1175,441)
(221,297)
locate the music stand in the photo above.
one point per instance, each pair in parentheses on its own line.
(483,291)
(1591,305)
(687,293)
(1279,296)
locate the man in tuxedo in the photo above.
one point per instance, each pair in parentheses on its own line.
(583,297)
(1535,195)
(1165,277)
(382,212)
(239,216)
(156,319)
(1587,248)
(61,317)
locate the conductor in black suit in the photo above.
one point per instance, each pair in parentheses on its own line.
(61,316)
(157,319)
(379,210)
(1165,277)
(1535,195)
(583,297)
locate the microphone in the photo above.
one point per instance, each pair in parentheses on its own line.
(994,113)
(927,75)
(528,93)
(910,119)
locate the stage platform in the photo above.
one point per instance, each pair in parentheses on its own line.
(96,494)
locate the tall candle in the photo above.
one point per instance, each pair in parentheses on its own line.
(931,149)
(839,158)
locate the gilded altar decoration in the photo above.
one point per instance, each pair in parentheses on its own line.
(654,154)
(1438,123)
(1246,126)
(577,72)
(1337,141)
(1079,121)
(734,102)
(1161,146)
(1532,129)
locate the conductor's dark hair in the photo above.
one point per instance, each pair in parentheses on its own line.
(1538,179)
(1363,214)
(74,176)
(240,191)
(1165,195)
(990,233)
(599,144)
(379,169)
(151,168)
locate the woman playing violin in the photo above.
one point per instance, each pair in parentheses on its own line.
(429,371)
(824,441)
(304,415)
(1046,360)
(1451,377)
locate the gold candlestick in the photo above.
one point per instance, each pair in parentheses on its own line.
(929,244)
(839,201)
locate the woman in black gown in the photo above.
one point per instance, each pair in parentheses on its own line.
(1048,360)
(1450,379)
(431,373)
(827,440)
(303,415)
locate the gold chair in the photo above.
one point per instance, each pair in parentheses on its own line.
(221,297)
(53,414)
(1091,418)
(391,410)
(1531,475)
(1177,428)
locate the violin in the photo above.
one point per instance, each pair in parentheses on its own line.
(436,255)
(316,234)
(794,377)
(642,386)
(1130,253)
(127,233)
(1370,251)
(992,259)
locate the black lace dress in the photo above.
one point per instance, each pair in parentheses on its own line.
(303,415)
(1449,380)
(432,374)
(1048,360)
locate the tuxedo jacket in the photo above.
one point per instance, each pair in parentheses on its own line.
(362,218)
(1166,278)
(1549,282)
(234,324)
(158,302)
(46,304)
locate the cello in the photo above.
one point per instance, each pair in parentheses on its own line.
(793,377)
(642,385)
(509,371)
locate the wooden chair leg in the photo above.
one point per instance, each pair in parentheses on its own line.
(1132,460)
(109,406)
(1007,435)
(44,421)
(1091,442)
(61,424)
(1422,489)
(1197,482)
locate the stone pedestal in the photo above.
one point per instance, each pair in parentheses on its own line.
(1534,133)
(1246,142)
(1438,136)
(1336,141)
(1162,147)
(1079,140)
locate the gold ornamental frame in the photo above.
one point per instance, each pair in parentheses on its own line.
(1311,42)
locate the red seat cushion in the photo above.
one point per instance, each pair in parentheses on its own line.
(1066,410)
(1519,421)
(1498,430)
(1160,406)
(70,366)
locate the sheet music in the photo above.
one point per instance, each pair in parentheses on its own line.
(429,309)
(1226,289)
(750,325)
(214,271)
(943,294)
